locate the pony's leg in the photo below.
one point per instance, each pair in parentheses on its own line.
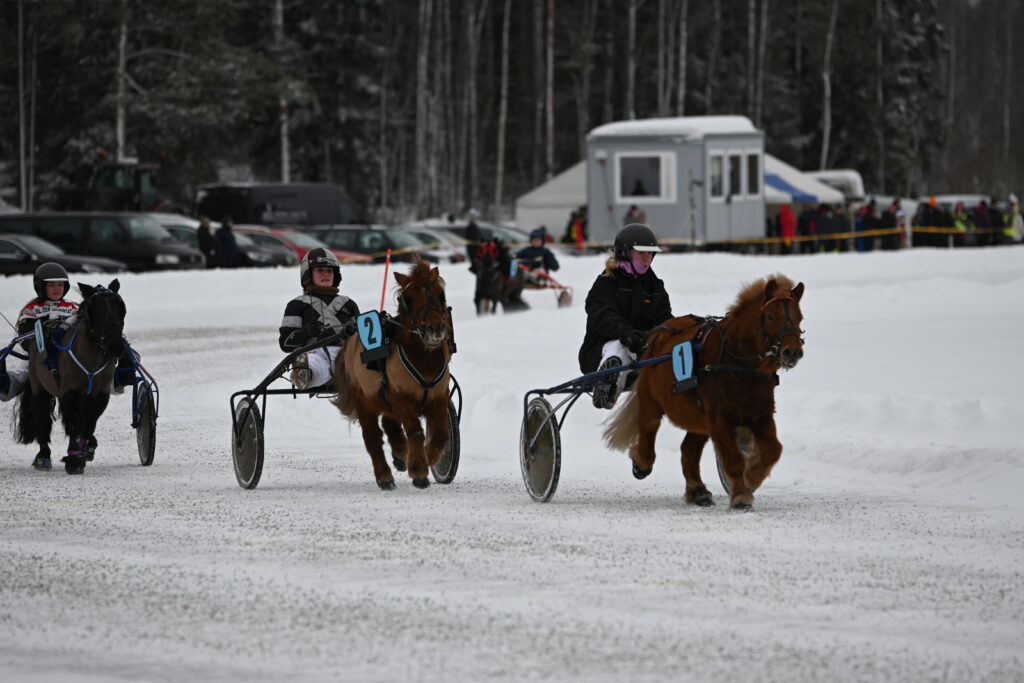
(399,444)
(417,460)
(691,448)
(71,412)
(35,423)
(733,464)
(766,452)
(649,421)
(436,414)
(373,439)
(90,408)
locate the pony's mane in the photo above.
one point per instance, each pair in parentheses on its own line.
(421,275)
(753,292)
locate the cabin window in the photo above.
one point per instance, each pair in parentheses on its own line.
(647,178)
(753,174)
(735,175)
(716,176)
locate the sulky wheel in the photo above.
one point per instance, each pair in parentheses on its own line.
(445,469)
(247,444)
(145,432)
(540,450)
(721,471)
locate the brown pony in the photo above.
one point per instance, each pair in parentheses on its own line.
(412,382)
(736,360)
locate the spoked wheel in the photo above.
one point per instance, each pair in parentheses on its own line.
(247,444)
(540,450)
(445,469)
(145,432)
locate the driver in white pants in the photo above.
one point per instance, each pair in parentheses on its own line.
(318,313)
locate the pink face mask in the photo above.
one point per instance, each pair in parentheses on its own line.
(633,266)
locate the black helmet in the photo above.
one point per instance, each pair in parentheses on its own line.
(318,258)
(635,236)
(50,272)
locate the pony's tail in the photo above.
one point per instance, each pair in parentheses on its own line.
(345,400)
(621,432)
(24,420)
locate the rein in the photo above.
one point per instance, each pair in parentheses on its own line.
(100,339)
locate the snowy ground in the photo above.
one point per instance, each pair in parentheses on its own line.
(887,545)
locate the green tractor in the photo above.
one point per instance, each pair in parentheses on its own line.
(115,186)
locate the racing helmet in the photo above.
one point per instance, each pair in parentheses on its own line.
(635,236)
(318,258)
(50,272)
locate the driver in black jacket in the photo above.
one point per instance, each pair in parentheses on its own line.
(624,303)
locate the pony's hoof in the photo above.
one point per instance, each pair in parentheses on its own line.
(73,464)
(399,464)
(743,507)
(386,485)
(42,463)
(421,482)
(700,496)
(641,473)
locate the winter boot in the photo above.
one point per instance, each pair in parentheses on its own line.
(604,391)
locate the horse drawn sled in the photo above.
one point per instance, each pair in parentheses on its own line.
(73,363)
(501,278)
(391,375)
(714,377)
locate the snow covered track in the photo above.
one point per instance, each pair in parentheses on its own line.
(887,544)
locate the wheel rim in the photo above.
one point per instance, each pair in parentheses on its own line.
(540,450)
(145,433)
(247,444)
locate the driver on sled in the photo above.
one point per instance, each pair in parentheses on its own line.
(317,314)
(537,257)
(624,303)
(51,284)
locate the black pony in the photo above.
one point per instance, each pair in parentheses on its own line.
(495,283)
(81,382)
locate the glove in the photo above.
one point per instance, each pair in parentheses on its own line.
(632,340)
(313,330)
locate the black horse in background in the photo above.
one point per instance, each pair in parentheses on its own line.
(80,383)
(495,283)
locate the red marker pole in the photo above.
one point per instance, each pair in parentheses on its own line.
(384,287)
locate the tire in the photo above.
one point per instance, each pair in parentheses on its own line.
(145,432)
(247,444)
(445,469)
(540,450)
(721,473)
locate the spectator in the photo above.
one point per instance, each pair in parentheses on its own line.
(806,228)
(1016,221)
(786,228)
(983,224)
(634,215)
(207,243)
(227,248)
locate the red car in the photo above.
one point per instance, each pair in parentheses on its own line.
(299,242)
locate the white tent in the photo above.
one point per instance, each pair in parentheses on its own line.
(551,204)
(800,187)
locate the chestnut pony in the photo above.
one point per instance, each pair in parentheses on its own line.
(410,383)
(735,361)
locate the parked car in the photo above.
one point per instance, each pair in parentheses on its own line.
(298,242)
(20,254)
(134,238)
(185,230)
(489,231)
(442,246)
(373,241)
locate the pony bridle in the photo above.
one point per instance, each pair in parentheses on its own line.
(789,329)
(419,328)
(102,338)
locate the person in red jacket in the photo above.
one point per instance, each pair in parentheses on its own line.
(787,228)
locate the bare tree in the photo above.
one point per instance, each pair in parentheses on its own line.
(1007,86)
(423,104)
(499,170)
(683,31)
(751,51)
(826,82)
(474,26)
(761,64)
(628,104)
(22,184)
(549,93)
(582,44)
(610,61)
(538,78)
(716,39)
(122,79)
(880,92)
(282,102)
